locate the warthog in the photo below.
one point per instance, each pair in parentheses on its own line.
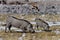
(18,23)
(41,23)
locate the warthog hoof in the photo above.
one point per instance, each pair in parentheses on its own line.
(33,32)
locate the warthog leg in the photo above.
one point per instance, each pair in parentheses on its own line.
(8,26)
(37,27)
(46,28)
(24,30)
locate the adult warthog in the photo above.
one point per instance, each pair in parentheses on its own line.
(18,23)
(42,23)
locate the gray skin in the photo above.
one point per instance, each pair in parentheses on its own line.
(42,23)
(18,23)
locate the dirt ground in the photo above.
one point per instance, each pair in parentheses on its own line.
(29,36)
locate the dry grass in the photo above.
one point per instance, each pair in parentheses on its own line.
(30,17)
(32,36)
(55,27)
(10,36)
